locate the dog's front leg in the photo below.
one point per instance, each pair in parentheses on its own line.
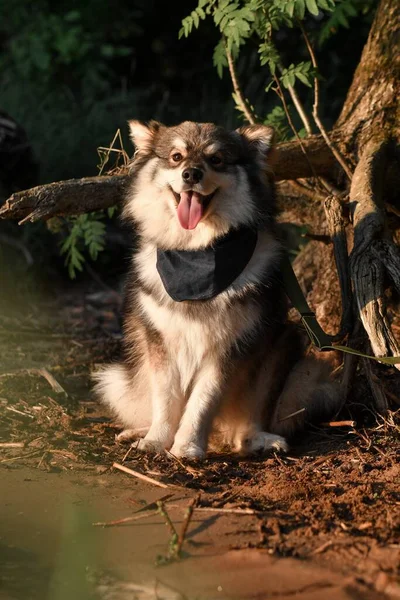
(167,403)
(192,436)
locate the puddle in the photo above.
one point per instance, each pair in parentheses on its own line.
(50,550)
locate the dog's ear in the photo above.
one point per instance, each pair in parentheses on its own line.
(260,137)
(143,135)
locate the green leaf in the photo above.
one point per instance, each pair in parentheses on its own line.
(303,78)
(312,7)
(201,12)
(196,18)
(300,9)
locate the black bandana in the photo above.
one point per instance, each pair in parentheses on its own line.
(203,274)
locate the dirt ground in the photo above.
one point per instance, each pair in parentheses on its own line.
(322,521)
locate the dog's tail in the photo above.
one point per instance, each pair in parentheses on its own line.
(309,396)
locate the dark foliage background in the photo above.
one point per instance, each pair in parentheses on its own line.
(71,74)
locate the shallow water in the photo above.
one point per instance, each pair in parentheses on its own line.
(50,550)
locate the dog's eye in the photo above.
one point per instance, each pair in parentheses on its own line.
(177,157)
(216,160)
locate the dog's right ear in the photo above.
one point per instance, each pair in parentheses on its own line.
(143,135)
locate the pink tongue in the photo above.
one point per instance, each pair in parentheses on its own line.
(190,210)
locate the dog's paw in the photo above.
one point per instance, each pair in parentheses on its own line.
(190,451)
(262,442)
(148,445)
(127,435)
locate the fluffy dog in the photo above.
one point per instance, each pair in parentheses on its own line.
(209,355)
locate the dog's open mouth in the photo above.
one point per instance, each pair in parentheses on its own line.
(192,207)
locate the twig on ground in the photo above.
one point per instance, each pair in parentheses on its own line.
(19,457)
(188,516)
(321,548)
(339,424)
(138,514)
(19,412)
(12,444)
(231,511)
(162,511)
(50,379)
(186,467)
(139,475)
(125,520)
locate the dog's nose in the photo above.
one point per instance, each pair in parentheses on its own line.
(192,175)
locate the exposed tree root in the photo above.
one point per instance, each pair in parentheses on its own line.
(336,224)
(367,272)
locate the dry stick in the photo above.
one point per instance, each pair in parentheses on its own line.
(317,120)
(298,105)
(125,520)
(12,444)
(231,511)
(339,424)
(300,109)
(236,87)
(43,372)
(321,548)
(293,128)
(19,412)
(51,380)
(18,457)
(301,410)
(185,467)
(168,522)
(139,475)
(136,516)
(188,516)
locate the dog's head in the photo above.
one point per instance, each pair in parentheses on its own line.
(195,181)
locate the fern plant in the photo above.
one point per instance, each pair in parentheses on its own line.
(86,233)
(240,21)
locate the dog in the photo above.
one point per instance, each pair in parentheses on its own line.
(209,358)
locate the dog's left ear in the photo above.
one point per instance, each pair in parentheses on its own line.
(142,135)
(260,137)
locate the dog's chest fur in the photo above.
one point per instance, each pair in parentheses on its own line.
(195,334)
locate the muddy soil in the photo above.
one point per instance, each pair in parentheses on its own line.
(322,521)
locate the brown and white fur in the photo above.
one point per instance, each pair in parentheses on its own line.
(227,370)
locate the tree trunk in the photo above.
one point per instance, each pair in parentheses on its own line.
(367,133)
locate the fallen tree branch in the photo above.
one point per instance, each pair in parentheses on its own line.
(71,197)
(77,196)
